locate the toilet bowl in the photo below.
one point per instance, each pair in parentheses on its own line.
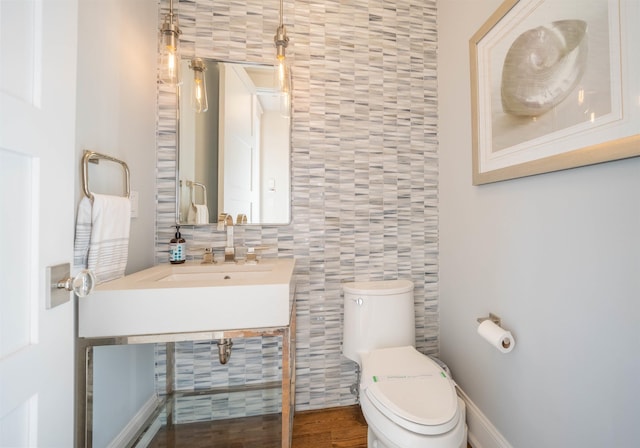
(407,399)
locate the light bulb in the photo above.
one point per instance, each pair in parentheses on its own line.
(199,100)
(169,66)
(199,96)
(282,83)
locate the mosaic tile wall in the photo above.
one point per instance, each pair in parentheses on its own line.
(364,174)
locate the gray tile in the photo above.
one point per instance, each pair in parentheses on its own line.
(364,180)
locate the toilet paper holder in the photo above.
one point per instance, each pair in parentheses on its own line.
(492,317)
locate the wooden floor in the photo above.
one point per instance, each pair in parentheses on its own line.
(259,432)
(343,427)
(330,428)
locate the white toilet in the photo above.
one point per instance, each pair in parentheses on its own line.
(407,399)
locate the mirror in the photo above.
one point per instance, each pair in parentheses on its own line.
(234,158)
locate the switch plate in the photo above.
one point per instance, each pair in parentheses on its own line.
(133,197)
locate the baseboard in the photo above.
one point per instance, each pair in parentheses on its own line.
(136,423)
(481,432)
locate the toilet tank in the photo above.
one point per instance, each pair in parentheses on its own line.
(377,315)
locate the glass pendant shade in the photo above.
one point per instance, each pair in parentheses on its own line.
(283,71)
(282,79)
(283,83)
(169,65)
(169,52)
(199,101)
(285,104)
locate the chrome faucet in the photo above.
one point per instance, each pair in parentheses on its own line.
(226,221)
(207,257)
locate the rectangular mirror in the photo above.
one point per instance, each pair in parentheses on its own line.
(233,158)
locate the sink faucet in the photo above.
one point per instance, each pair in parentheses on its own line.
(226,221)
(207,257)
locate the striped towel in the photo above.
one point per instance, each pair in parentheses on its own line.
(102,236)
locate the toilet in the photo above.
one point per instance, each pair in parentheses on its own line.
(407,399)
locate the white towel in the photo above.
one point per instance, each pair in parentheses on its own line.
(192,214)
(202,214)
(198,214)
(102,236)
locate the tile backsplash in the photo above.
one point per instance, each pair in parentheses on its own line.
(364,173)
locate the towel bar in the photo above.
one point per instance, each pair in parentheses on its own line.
(192,193)
(94,157)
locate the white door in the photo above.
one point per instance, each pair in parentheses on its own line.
(238,144)
(37,168)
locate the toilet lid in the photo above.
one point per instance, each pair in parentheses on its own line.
(410,389)
(378,288)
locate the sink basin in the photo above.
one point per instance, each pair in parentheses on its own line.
(190,297)
(217,274)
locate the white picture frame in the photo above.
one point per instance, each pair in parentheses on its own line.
(555,84)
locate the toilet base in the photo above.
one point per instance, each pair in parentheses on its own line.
(374,441)
(380,428)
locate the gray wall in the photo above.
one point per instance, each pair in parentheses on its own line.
(116,107)
(364,166)
(557,256)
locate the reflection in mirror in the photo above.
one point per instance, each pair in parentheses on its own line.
(234,157)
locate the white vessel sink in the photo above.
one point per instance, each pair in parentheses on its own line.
(190,297)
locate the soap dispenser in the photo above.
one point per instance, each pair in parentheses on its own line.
(177,248)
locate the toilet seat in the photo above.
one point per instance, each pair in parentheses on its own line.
(410,389)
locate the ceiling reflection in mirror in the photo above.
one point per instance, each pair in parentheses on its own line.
(234,158)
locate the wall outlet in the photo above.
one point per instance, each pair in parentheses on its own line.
(133,196)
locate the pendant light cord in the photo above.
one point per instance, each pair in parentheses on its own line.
(281,40)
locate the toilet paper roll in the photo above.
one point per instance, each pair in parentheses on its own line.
(496,336)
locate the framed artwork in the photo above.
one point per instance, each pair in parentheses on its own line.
(555,84)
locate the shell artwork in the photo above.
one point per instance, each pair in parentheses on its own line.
(542,66)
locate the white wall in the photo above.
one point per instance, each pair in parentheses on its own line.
(557,256)
(116,107)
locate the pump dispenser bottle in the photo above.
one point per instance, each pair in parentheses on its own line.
(177,248)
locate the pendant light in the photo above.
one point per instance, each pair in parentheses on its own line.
(169,52)
(283,71)
(199,101)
